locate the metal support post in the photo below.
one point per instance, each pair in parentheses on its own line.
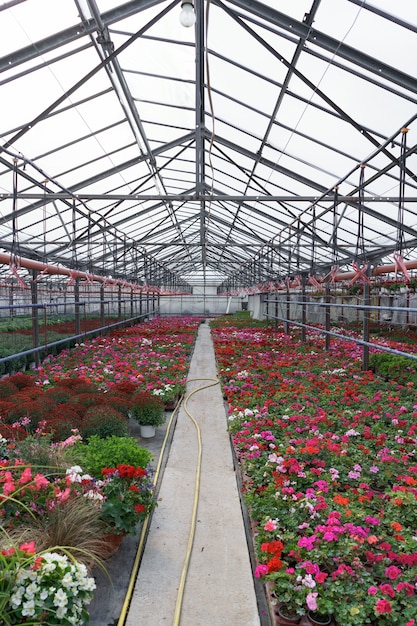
(327,317)
(366,315)
(35,316)
(101,305)
(303,307)
(77,306)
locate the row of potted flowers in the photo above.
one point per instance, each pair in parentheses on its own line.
(62,498)
(329,459)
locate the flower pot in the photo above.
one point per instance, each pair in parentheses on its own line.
(285,616)
(147,431)
(170,405)
(320,620)
(111,544)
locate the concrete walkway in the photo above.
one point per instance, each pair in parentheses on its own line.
(219,589)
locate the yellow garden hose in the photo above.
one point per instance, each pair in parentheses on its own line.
(135,568)
(180,593)
(139,551)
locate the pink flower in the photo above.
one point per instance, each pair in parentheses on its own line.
(40,481)
(387,590)
(29,547)
(372,590)
(311,600)
(270,525)
(407,587)
(383,606)
(8,487)
(329,536)
(63,495)
(393,572)
(261,570)
(307,542)
(26,476)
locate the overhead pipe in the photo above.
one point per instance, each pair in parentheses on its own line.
(46,268)
(337,277)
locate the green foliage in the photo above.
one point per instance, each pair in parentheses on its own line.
(104,422)
(394,367)
(147,409)
(99,453)
(239,319)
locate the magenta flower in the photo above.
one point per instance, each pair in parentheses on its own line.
(393,572)
(261,570)
(307,542)
(383,606)
(387,590)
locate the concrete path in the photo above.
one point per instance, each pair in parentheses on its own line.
(219,589)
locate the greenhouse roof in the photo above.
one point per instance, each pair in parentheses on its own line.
(269,139)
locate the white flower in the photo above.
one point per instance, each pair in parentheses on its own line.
(61,611)
(28,608)
(31,589)
(60,598)
(16,597)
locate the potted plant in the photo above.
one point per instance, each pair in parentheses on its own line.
(98,453)
(169,393)
(43,588)
(127,497)
(149,411)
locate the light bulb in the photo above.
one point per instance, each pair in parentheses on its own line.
(187,15)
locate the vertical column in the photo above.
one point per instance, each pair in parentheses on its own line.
(303,307)
(77,306)
(366,301)
(101,305)
(287,321)
(327,316)
(35,315)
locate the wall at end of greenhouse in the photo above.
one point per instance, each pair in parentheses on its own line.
(199,305)
(208,290)
(255,306)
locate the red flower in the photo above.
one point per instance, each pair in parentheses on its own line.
(274,564)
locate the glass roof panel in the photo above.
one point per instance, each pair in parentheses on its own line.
(207,145)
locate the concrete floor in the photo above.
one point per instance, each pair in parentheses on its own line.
(219,588)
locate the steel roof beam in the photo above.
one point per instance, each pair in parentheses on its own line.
(334,46)
(73,33)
